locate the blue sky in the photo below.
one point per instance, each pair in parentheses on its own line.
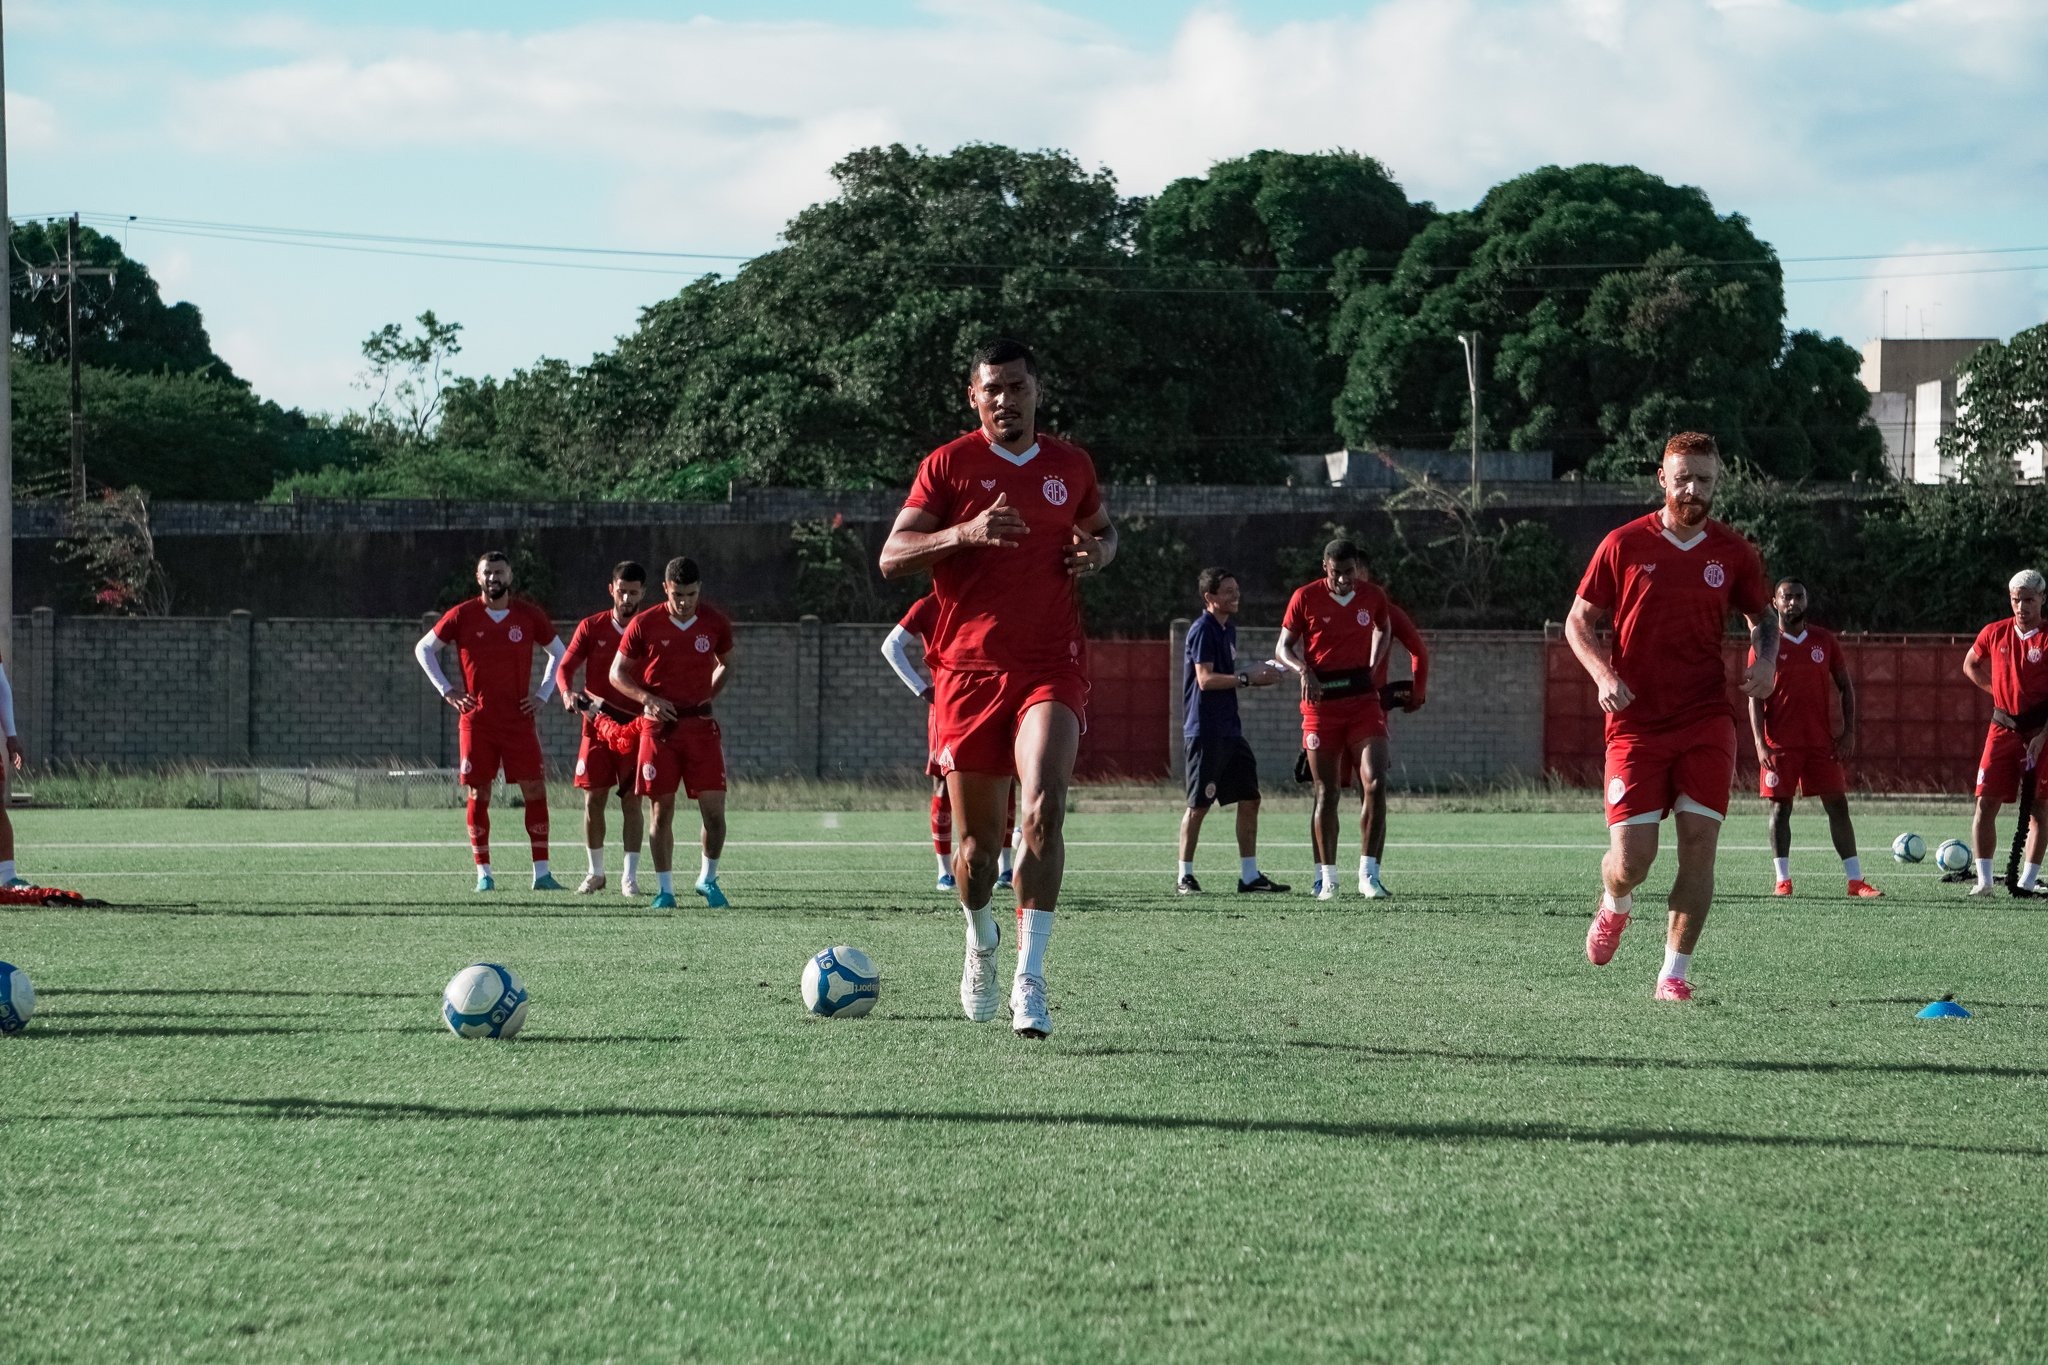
(1886,130)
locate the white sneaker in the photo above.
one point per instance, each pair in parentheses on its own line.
(1326,891)
(1370,887)
(630,886)
(593,882)
(1984,889)
(1028,1015)
(978,996)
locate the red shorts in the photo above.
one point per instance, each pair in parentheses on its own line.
(975,715)
(609,757)
(1342,725)
(684,753)
(1809,772)
(1648,773)
(2004,758)
(488,745)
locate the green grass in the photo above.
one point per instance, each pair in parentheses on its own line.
(1267,1130)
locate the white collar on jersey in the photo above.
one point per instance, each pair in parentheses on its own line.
(498,615)
(1345,600)
(1798,639)
(682,625)
(1018,460)
(2019,634)
(1683,544)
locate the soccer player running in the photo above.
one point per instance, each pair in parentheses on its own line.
(1797,748)
(672,661)
(1221,770)
(2007,660)
(920,623)
(494,635)
(1334,636)
(1006,518)
(609,757)
(1668,581)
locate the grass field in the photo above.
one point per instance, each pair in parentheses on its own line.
(1265,1130)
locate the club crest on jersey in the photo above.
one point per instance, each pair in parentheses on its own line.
(1364,617)
(1616,789)
(515,635)
(1770,778)
(1820,656)
(1210,791)
(1716,576)
(988,483)
(946,758)
(703,644)
(2034,655)
(1055,490)
(647,772)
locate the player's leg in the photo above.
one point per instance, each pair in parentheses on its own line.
(1998,783)
(1048,739)
(1326,778)
(479,768)
(1190,835)
(1372,815)
(8,876)
(661,842)
(977,800)
(594,799)
(524,764)
(1842,830)
(1006,856)
(1984,839)
(942,833)
(1692,896)
(1780,829)
(1631,849)
(702,749)
(632,828)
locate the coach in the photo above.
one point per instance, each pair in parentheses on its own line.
(1221,769)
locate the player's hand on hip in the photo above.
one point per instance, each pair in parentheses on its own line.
(1615,694)
(1311,685)
(1414,702)
(460,700)
(1000,526)
(1758,680)
(531,703)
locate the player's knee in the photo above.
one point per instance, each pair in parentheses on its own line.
(980,855)
(1042,814)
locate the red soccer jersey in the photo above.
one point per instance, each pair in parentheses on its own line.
(1335,636)
(2019,665)
(1026,589)
(592,647)
(676,661)
(497,656)
(922,620)
(1800,714)
(1670,604)
(1410,639)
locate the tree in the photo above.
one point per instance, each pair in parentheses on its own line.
(2001,406)
(405,380)
(123,323)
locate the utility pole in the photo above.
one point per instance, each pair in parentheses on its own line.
(70,271)
(1470,341)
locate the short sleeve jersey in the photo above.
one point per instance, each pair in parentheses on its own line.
(1800,714)
(2019,665)
(675,659)
(922,620)
(592,647)
(1025,589)
(1336,637)
(496,655)
(1670,604)
(1209,715)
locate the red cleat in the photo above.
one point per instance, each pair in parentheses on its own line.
(1603,936)
(1672,988)
(1860,890)
(1785,889)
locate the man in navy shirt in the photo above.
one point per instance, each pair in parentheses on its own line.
(1221,770)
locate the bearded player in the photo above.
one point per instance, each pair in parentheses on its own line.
(2008,660)
(1334,637)
(609,758)
(494,635)
(672,661)
(1005,519)
(918,624)
(1668,582)
(1798,750)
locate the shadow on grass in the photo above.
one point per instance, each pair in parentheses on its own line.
(118,991)
(1916,1001)
(347,910)
(299,1109)
(1757,1064)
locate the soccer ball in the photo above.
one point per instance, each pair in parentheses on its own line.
(841,983)
(1952,856)
(17,998)
(484,1001)
(1909,848)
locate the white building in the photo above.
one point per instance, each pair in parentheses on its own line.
(1914,397)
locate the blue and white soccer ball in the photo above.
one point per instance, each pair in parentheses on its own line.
(484,1001)
(1909,848)
(17,998)
(1953,855)
(841,983)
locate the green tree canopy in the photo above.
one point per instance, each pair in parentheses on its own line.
(2002,406)
(124,324)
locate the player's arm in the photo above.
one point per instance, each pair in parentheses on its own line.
(896,649)
(1762,674)
(1977,668)
(427,650)
(1287,653)
(1756,730)
(1094,544)
(722,672)
(1381,639)
(1410,639)
(1581,631)
(566,667)
(7,719)
(625,667)
(917,541)
(1845,742)
(547,677)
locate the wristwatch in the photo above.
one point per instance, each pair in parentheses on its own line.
(1244,680)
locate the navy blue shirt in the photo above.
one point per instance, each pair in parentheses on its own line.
(1210,715)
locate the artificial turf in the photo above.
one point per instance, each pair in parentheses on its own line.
(1264,1128)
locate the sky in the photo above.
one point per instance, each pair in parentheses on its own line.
(1894,152)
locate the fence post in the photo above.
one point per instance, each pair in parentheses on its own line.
(1176,704)
(809,752)
(42,636)
(241,632)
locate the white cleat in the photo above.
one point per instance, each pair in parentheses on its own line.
(1984,889)
(1370,887)
(590,884)
(1326,891)
(631,887)
(978,992)
(1028,1014)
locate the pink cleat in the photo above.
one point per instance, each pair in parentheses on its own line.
(1860,890)
(1603,936)
(1672,988)
(1784,889)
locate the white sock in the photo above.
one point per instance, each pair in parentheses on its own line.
(982,933)
(6,871)
(1852,868)
(1675,964)
(1326,874)
(1368,867)
(596,857)
(1619,904)
(1247,869)
(2029,874)
(1004,861)
(632,864)
(1187,869)
(1783,867)
(945,864)
(1034,932)
(708,869)
(483,869)
(665,883)
(540,868)
(1984,877)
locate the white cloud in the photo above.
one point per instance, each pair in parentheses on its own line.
(1926,291)
(31,124)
